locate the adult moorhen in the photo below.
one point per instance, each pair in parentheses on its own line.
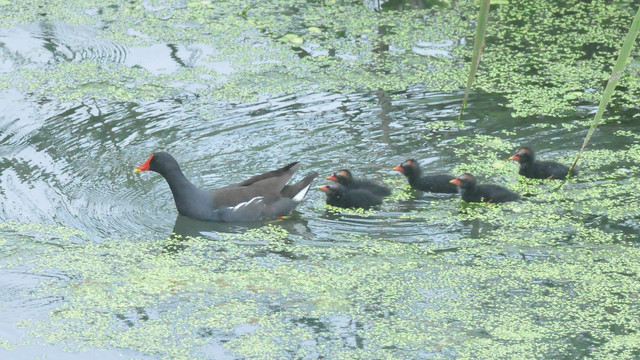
(344,177)
(340,196)
(536,169)
(260,197)
(471,192)
(439,183)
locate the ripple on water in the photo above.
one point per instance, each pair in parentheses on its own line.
(18,299)
(44,43)
(72,165)
(75,167)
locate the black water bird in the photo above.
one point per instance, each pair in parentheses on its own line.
(263,196)
(471,192)
(536,169)
(344,177)
(437,183)
(340,196)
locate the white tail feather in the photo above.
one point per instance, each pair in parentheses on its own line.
(300,195)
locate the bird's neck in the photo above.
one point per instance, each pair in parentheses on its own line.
(183,190)
(414,176)
(470,189)
(525,167)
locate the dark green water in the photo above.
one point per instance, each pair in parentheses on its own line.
(87,261)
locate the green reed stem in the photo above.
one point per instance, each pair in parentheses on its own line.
(478,45)
(625,51)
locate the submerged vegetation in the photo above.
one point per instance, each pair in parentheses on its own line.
(553,276)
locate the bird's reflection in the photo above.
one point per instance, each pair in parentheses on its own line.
(478,228)
(185,227)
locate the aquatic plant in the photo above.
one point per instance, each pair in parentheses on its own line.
(478,44)
(616,74)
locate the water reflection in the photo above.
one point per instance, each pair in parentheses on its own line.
(44,43)
(187,227)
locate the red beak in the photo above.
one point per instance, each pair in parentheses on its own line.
(456,182)
(145,166)
(332,177)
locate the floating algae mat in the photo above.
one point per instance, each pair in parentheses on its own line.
(543,278)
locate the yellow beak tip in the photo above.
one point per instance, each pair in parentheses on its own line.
(135,171)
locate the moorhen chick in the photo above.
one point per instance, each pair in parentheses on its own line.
(344,177)
(341,196)
(471,192)
(260,197)
(536,169)
(439,183)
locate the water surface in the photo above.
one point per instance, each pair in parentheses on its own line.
(90,266)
